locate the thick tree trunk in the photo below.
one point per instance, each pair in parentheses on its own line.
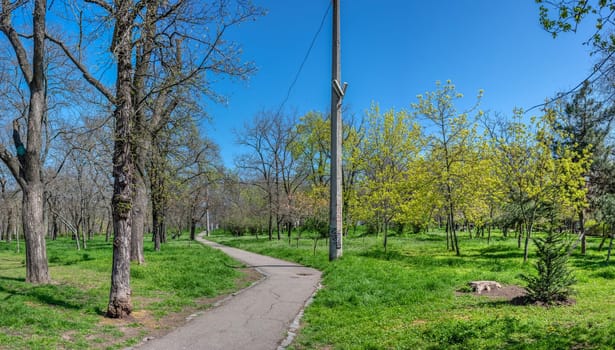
(26,168)
(37,270)
(120,304)
(141,135)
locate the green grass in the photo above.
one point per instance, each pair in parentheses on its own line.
(405,298)
(69,312)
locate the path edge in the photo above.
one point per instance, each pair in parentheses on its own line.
(294,327)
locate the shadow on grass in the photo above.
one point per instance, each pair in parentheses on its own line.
(420,260)
(606,274)
(18,279)
(61,296)
(589,262)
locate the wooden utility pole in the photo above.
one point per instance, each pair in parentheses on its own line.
(337,93)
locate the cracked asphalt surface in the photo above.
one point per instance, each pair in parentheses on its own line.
(257,318)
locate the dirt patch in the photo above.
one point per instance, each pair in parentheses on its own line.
(515,295)
(250,275)
(143,324)
(506,293)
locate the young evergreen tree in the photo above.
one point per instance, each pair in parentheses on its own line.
(553,283)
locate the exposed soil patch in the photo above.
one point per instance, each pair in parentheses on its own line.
(509,293)
(515,295)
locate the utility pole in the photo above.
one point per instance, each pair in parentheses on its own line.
(337,93)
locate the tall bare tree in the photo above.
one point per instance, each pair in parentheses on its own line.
(147,35)
(26,167)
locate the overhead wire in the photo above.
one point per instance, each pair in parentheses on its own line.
(305,58)
(590,78)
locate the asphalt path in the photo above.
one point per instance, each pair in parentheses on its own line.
(264,316)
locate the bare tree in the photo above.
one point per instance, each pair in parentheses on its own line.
(147,35)
(26,167)
(271,166)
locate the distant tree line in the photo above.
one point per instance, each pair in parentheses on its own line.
(434,166)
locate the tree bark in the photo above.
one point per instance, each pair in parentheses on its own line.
(582,233)
(120,304)
(141,139)
(192,229)
(139,209)
(37,270)
(608,255)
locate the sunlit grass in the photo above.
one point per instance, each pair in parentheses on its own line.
(405,298)
(69,312)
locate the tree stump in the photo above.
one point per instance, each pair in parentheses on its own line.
(480,286)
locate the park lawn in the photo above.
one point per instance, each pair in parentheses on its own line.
(408,298)
(183,278)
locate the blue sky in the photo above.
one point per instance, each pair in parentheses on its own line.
(393,50)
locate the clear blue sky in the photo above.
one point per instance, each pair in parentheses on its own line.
(393,50)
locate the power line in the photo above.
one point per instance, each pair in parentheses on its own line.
(590,78)
(307,54)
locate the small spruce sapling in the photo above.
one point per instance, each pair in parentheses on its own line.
(553,283)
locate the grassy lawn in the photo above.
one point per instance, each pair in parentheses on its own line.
(406,298)
(68,314)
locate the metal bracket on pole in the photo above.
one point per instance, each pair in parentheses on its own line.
(338,89)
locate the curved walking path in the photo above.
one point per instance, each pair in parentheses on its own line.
(261,317)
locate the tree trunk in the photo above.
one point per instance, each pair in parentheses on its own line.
(582,233)
(208,224)
(120,304)
(454,238)
(192,229)
(54,227)
(604,237)
(386,235)
(139,209)
(608,255)
(528,235)
(9,225)
(489,234)
(26,168)
(519,234)
(108,228)
(157,225)
(141,140)
(37,270)
(448,235)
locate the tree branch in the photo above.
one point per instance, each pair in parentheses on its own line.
(7,28)
(86,74)
(13,164)
(107,7)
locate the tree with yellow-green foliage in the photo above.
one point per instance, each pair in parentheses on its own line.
(451,141)
(542,178)
(391,150)
(481,194)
